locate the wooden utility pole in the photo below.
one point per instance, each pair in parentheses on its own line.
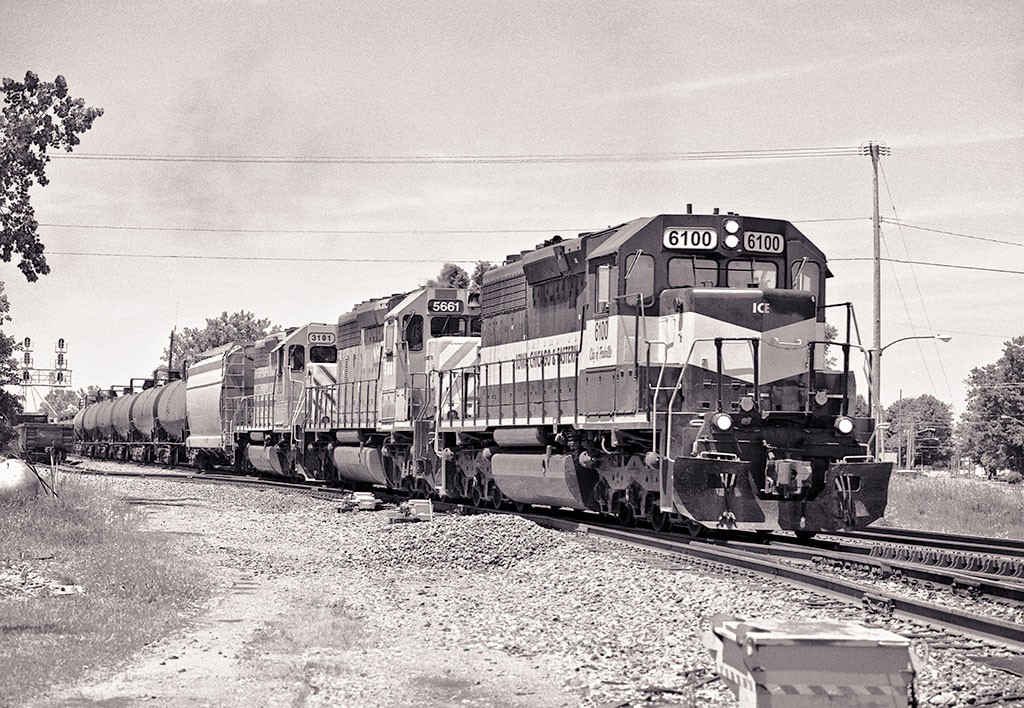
(876,151)
(170,356)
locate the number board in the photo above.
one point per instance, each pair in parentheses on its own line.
(690,239)
(445,307)
(763,242)
(320,338)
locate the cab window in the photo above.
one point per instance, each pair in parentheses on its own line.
(296,357)
(692,272)
(753,274)
(804,275)
(447,326)
(412,327)
(323,355)
(475,327)
(640,275)
(603,291)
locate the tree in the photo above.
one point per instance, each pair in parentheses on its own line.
(477,278)
(10,405)
(65,402)
(921,430)
(223,329)
(993,391)
(38,115)
(451,276)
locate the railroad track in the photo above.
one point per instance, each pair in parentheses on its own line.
(762,559)
(778,557)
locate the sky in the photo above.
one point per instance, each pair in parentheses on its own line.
(139,247)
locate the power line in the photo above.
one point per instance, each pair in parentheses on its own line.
(276,259)
(420,260)
(779,153)
(950,233)
(936,265)
(309,232)
(923,301)
(332,232)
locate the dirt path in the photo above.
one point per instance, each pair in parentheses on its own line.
(273,638)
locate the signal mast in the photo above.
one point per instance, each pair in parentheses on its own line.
(31,377)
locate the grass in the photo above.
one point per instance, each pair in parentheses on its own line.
(955,505)
(134,587)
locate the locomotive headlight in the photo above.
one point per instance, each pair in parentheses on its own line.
(844,426)
(722,421)
(732,230)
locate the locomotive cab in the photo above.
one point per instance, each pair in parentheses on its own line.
(273,420)
(379,416)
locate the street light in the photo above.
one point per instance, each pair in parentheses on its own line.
(875,391)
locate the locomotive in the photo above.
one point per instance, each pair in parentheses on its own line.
(673,369)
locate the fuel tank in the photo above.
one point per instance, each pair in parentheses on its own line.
(539,478)
(360,464)
(267,459)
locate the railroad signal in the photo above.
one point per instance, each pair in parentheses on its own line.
(28,359)
(26,376)
(61,361)
(61,346)
(27,344)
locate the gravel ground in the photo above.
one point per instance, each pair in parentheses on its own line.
(320,608)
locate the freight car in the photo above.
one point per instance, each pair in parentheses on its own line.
(38,440)
(672,369)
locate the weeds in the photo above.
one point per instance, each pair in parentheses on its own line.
(956,505)
(130,587)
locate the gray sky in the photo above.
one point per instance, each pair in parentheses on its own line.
(941,83)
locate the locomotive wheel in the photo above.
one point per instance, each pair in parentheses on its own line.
(661,521)
(476,494)
(523,507)
(626,517)
(426,490)
(497,499)
(694,528)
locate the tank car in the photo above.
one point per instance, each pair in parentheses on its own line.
(145,426)
(671,368)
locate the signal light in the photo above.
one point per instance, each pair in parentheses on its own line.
(28,342)
(26,376)
(28,359)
